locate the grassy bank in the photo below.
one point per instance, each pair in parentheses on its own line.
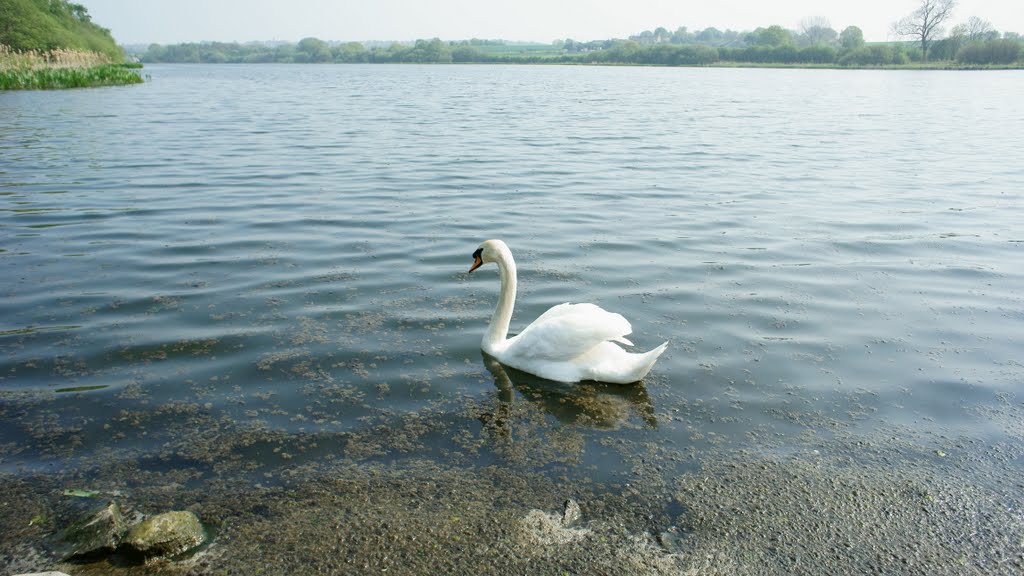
(59,69)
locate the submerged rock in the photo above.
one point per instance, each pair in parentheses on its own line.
(95,534)
(607,547)
(50,573)
(167,534)
(543,529)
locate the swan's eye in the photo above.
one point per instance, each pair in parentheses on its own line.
(478,252)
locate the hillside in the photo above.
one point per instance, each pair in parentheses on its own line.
(48,24)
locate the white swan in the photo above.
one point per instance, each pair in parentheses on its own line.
(568,343)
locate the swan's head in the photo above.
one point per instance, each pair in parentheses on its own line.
(489,251)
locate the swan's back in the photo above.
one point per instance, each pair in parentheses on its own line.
(573,342)
(568,330)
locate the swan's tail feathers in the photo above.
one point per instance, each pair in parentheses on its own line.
(608,362)
(649,358)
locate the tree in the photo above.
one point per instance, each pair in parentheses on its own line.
(623,52)
(710,35)
(924,24)
(467,54)
(851,38)
(976,30)
(990,52)
(681,36)
(433,51)
(314,50)
(349,52)
(817,30)
(80,12)
(947,48)
(49,24)
(771,36)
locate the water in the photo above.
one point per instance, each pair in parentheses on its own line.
(237,270)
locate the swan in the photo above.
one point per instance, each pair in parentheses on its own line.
(568,343)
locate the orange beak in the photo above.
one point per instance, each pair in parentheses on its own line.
(477,262)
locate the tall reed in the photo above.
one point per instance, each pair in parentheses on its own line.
(59,68)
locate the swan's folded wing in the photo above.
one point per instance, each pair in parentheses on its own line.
(569,330)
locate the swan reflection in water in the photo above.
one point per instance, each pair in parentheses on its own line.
(591,404)
(522,431)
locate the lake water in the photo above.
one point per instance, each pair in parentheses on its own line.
(236,272)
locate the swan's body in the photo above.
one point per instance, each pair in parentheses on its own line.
(568,343)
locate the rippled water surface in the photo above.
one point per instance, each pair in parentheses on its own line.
(278,254)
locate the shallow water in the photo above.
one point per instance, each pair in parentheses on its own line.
(277,253)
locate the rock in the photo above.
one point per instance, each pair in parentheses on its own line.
(540,528)
(571,513)
(167,534)
(50,573)
(95,534)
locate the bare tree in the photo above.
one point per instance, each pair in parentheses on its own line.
(976,29)
(924,23)
(817,30)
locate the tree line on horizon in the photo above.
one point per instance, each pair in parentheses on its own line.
(974,42)
(771,45)
(42,25)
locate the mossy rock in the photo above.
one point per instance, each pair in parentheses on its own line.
(95,534)
(167,534)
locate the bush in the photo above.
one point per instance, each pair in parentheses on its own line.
(786,54)
(991,52)
(874,55)
(685,55)
(698,55)
(819,54)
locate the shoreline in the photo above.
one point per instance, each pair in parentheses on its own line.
(943,66)
(846,504)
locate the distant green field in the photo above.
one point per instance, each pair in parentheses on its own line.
(498,50)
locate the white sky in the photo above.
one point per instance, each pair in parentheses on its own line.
(172,21)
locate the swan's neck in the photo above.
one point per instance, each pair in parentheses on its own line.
(498,329)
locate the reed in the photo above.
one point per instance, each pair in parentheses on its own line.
(60,68)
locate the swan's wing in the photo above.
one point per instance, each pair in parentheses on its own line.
(615,322)
(565,308)
(569,330)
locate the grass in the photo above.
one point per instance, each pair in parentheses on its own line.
(498,50)
(60,68)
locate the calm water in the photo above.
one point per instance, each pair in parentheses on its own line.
(278,253)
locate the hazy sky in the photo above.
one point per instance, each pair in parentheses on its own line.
(171,21)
